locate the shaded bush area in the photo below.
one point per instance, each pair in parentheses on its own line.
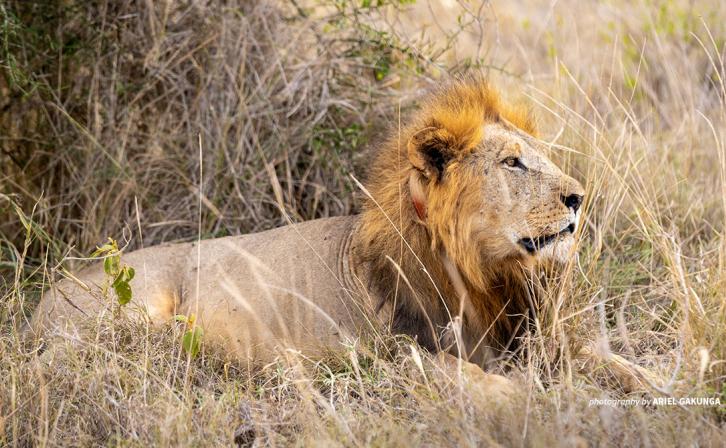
(115,113)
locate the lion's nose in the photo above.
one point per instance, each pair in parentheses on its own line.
(572,201)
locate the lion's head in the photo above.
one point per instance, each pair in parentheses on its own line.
(489,191)
(480,182)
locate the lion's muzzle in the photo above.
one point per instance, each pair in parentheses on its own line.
(531,245)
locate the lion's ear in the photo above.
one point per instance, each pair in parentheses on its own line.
(430,150)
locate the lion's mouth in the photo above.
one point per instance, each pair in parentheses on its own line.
(532,245)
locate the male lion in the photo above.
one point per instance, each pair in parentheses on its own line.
(463,206)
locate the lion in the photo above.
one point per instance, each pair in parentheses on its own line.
(462,205)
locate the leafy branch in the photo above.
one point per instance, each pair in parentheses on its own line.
(121,275)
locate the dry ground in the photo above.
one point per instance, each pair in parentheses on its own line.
(103,107)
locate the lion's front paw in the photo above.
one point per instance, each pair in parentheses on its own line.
(630,376)
(485,386)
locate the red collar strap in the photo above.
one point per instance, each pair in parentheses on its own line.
(418,196)
(420,208)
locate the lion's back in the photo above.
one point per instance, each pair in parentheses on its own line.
(282,286)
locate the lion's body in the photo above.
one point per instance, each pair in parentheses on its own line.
(453,227)
(287,287)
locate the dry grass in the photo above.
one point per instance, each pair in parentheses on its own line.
(103,107)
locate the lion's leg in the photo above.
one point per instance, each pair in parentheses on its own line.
(487,386)
(631,377)
(80,298)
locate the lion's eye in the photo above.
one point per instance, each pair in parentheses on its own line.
(514,162)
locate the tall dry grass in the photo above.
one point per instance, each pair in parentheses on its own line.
(104,106)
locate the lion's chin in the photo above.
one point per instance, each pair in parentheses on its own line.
(558,251)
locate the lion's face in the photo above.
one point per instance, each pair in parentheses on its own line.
(484,187)
(523,205)
(502,196)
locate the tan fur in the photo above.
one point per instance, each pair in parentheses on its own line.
(454,275)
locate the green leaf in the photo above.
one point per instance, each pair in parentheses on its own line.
(192,341)
(108,248)
(180,318)
(102,250)
(123,291)
(111,265)
(118,280)
(125,275)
